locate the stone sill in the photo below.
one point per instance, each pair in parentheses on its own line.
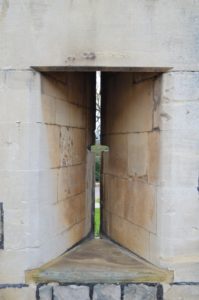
(95,261)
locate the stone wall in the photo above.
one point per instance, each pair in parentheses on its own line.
(65,216)
(177,239)
(46,124)
(99,33)
(130,166)
(101,291)
(151,171)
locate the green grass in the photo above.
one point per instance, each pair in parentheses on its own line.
(97,222)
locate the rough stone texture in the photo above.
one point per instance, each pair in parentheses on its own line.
(33,147)
(73,146)
(72,292)
(24,293)
(140,292)
(106,292)
(181,292)
(45,292)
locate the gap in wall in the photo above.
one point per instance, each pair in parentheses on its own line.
(129,171)
(97,214)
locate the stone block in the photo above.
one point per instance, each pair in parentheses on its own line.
(23,293)
(16,230)
(78,231)
(48,104)
(179,158)
(54,87)
(78,116)
(61,241)
(116,162)
(52,146)
(14,262)
(128,106)
(179,108)
(181,292)
(76,86)
(73,146)
(51,220)
(106,292)
(171,201)
(71,292)
(180,87)
(128,235)
(40,49)
(63,113)
(187,271)
(137,154)
(45,292)
(139,107)
(73,210)
(140,292)
(16,187)
(69,114)
(118,195)
(47,181)
(19,146)
(140,208)
(176,218)
(71,181)
(61,216)
(118,87)
(20,89)
(179,116)
(153,157)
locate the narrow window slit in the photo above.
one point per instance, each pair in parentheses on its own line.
(97,214)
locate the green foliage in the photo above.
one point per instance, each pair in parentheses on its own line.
(97,149)
(97,222)
(97,169)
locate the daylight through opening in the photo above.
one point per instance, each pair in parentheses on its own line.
(97,149)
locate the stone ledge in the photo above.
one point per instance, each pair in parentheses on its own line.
(100,261)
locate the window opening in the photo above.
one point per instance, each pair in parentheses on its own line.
(97,215)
